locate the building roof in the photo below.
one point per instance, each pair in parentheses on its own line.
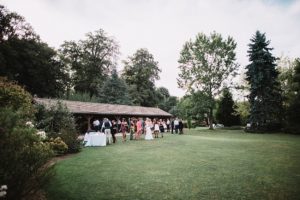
(78,107)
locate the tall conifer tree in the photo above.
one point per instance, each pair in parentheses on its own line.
(262,75)
(115,91)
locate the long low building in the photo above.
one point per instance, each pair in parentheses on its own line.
(100,110)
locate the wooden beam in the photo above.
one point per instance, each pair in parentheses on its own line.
(88,117)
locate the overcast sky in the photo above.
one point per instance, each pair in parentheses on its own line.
(163,26)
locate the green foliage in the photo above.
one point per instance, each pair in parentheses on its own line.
(57,121)
(226,113)
(293,112)
(243,110)
(78,96)
(27,60)
(205,64)
(265,95)
(22,154)
(91,60)
(58,146)
(115,91)
(184,108)
(14,96)
(140,73)
(194,107)
(164,100)
(14,26)
(164,92)
(285,77)
(287,68)
(189,123)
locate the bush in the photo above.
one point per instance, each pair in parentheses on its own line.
(293,117)
(58,146)
(59,122)
(22,154)
(270,127)
(189,123)
(14,96)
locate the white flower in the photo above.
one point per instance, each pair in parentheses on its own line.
(30,124)
(3,187)
(42,134)
(2,193)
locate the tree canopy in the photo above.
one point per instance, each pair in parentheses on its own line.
(140,72)
(115,91)
(205,64)
(14,26)
(293,112)
(27,60)
(91,60)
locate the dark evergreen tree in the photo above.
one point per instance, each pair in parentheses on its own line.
(115,91)
(226,113)
(265,95)
(293,113)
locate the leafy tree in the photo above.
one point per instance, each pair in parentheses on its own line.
(170,103)
(115,91)
(34,65)
(78,96)
(293,112)
(164,100)
(205,64)
(140,73)
(164,92)
(194,106)
(265,98)
(91,60)
(184,108)
(24,58)
(226,113)
(14,26)
(243,109)
(286,68)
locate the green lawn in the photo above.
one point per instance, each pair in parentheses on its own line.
(202,164)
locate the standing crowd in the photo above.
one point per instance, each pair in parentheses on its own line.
(136,127)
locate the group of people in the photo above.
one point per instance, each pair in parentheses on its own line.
(136,127)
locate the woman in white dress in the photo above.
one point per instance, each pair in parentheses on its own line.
(148,126)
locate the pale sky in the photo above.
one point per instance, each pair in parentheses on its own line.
(163,26)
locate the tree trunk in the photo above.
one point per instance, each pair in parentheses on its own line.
(88,118)
(210,118)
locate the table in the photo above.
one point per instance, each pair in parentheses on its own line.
(95,139)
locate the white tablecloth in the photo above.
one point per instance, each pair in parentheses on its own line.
(95,139)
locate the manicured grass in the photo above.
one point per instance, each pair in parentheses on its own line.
(221,164)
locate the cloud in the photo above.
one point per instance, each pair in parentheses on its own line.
(164,26)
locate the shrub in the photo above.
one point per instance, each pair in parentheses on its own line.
(57,121)
(22,154)
(189,123)
(270,127)
(58,146)
(14,96)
